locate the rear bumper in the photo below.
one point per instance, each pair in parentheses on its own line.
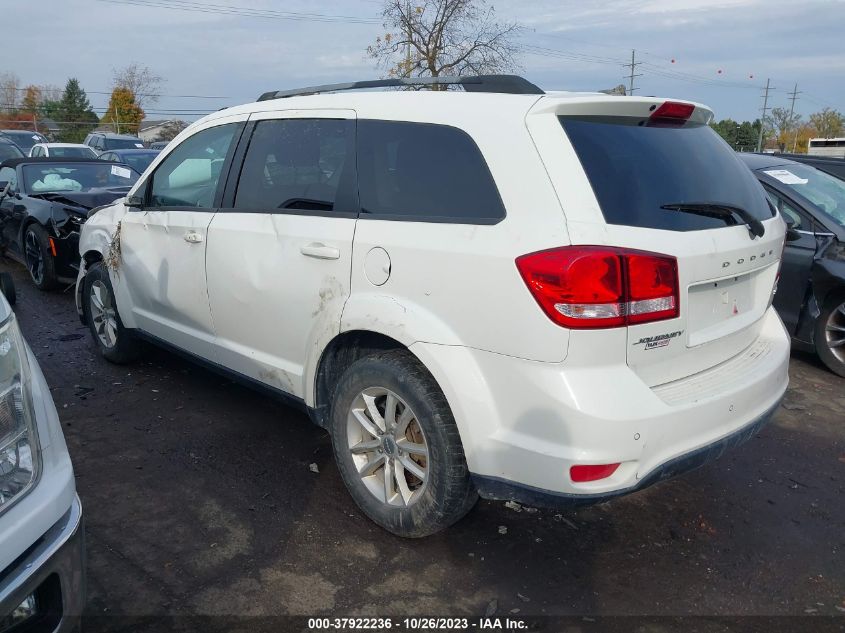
(524,424)
(502,490)
(53,569)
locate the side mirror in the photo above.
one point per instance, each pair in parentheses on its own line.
(7,287)
(134,201)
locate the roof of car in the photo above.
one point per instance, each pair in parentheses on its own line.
(61,144)
(14,162)
(762,161)
(113,135)
(132,150)
(815,158)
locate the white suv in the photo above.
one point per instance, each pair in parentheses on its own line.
(552,298)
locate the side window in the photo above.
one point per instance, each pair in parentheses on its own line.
(420,171)
(297,164)
(36,152)
(189,175)
(8,174)
(788,210)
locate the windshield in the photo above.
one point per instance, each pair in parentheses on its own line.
(826,192)
(124,143)
(138,161)
(7,150)
(24,139)
(644,175)
(73,152)
(56,177)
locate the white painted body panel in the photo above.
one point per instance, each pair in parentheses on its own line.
(530,398)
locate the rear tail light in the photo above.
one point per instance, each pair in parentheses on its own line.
(591,472)
(600,286)
(671,113)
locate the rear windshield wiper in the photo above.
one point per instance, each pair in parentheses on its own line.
(721,211)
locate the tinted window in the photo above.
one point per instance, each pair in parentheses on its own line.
(635,170)
(138,161)
(7,150)
(72,152)
(296,164)
(24,138)
(420,171)
(189,175)
(122,143)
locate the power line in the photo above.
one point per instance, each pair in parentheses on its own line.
(219,9)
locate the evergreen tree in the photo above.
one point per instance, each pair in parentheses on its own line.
(76,118)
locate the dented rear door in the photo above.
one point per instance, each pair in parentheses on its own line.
(279,250)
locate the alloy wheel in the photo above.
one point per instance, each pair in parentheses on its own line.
(835,333)
(34,257)
(388,447)
(103,314)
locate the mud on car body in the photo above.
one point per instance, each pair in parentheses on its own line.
(43,204)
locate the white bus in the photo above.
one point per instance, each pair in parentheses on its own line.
(833,147)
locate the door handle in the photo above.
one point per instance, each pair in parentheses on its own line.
(192,237)
(320,251)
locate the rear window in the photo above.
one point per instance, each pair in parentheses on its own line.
(424,172)
(635,170)
(123,143)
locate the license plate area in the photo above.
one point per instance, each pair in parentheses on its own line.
(719,308)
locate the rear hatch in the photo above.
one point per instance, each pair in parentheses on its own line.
(667,183)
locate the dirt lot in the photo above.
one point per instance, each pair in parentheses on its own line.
(199,499)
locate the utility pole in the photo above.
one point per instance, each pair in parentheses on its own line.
(408,43)
(794,94)
(633,65)
(763,117)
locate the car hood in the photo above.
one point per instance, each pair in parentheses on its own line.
(85,199)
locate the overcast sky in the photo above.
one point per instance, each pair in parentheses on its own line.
(234,58)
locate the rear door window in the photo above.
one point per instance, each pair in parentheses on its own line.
(304,164)
(636,169)
(424,172)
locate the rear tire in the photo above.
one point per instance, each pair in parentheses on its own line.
(38,258)
(116,343)
(397,446)
(830,336)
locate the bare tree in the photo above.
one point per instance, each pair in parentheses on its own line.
(444,37)
(10,92)
(170,129)
(140,81)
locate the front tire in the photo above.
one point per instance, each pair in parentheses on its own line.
(830,336)
(116,343)
(397,446)
(38,258)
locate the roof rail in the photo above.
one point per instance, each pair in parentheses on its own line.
(507,84)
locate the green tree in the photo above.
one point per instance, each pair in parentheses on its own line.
(740,136)
(75,116)
(123,113)
(828,123)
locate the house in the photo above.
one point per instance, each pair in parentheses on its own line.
(150,130)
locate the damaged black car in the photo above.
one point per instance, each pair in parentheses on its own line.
(810,296)
(43,204)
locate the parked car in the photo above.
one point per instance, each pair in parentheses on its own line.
(9,150)
(828,164)
(104,141)
(137,159)
(24,139)
(42,554)
(811,290)
(44,201)
(62,150)
(519,296)
(159,145)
